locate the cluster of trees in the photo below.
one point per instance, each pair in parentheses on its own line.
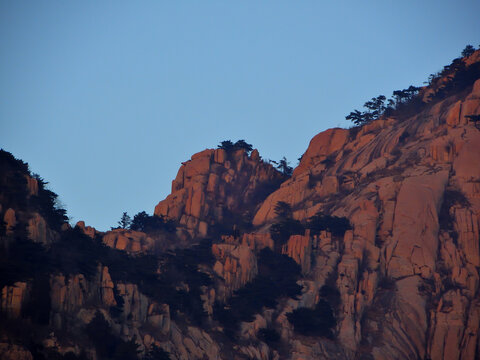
(13,183)
(14,192)
(319,321)
(453,78)
(379,106)
(285,225)
(334,224)
(469,50)
(146,223)
(230,147)
(313,322)
(283,166)
(459,76)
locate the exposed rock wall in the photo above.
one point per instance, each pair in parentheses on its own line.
(391,181)
(236,265)
(213,185)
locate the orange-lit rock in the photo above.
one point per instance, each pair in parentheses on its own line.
(212,184)
(322,145)
(299,248)
(236,265)
(415,235)
(128,240)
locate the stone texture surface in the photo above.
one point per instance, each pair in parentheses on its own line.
(235,264)
(213,185)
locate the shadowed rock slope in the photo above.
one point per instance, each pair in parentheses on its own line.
(370,250)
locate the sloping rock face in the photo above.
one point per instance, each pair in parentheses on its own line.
(411,191)
(216,186)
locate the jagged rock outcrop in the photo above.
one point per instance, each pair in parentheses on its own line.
(214,186)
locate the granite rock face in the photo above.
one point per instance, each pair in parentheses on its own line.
(216,185)
(401,282)
(413,202)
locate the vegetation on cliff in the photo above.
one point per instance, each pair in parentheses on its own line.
(453,78)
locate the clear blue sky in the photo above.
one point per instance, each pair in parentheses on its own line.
(104,99)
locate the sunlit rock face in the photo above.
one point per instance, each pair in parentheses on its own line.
(216,185)
(413,202)
(400,282)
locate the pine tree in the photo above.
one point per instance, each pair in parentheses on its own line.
(125,221)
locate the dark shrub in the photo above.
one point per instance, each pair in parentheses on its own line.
(469,50)
(285,225)
(77,253)
(13,184)
(336,225)
(46,203)
(331,295)
(156,353)
(451,197)
(268,336)
(38,304)
(106,343)
(22,260)
(277,277)
(313,322)
(146,223)
(230,147)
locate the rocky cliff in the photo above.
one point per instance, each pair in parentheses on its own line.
(218,187)
(370,250)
